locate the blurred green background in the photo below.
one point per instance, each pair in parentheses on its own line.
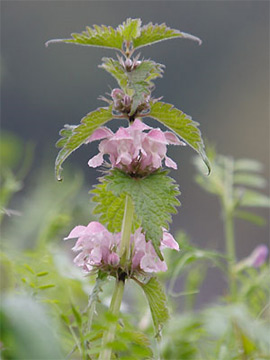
(223,84)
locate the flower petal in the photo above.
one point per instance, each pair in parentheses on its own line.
(76,232)
(170,163)
(96,161)
(100,133)
(169,241)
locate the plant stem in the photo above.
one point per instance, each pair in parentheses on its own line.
(117,296)
(108,336)
(228,208)
(126,231)
(230,249)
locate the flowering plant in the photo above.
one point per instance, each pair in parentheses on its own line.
(125,245)
(134,179)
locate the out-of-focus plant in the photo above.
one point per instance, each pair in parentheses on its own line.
(15,162)
(234,181)
(52,310)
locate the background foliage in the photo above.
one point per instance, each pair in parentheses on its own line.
(54,295)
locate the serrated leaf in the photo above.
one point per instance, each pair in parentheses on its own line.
(154,199)
(138,82)
(182,125)
(153,33)
(66,133)
(100,36)
(116,70)
(130,29)
(110,208)
(156,297)
(78,135)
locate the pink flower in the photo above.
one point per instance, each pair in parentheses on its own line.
(98,247)
(137,149)
(258,256)
(144,256)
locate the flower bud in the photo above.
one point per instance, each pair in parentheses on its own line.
(128,64)
(113,259)
(258,256)
(126,100)
(117,94)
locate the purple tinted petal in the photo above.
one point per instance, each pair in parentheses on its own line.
(96,160)
(101,133)
(76,232)
(170,163)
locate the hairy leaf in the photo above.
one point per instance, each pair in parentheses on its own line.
(110,208)
(140,81)
(154,199)
(136,83)
(181,124)
(100,36)
(116,70)
(153,33)
(129,31)
(75,136)
(156,297)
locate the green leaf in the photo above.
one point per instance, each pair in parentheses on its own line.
(151,34)
(77,316)
(110,208)
(154,199)
(252,198)
(249,179)
(100,36)
(45,287)
(75,136)
(100,281)
(42,273)
(116,70)
(248,216)
(182,125)
(136,83)
(157,302)
(130,29)
(247,165)
(140,81)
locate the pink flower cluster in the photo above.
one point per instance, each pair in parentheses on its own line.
(134,150)
(98,247)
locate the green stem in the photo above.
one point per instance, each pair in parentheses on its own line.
(230,250)
(228,208)
(126,232)
(117,296)
(108,336)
